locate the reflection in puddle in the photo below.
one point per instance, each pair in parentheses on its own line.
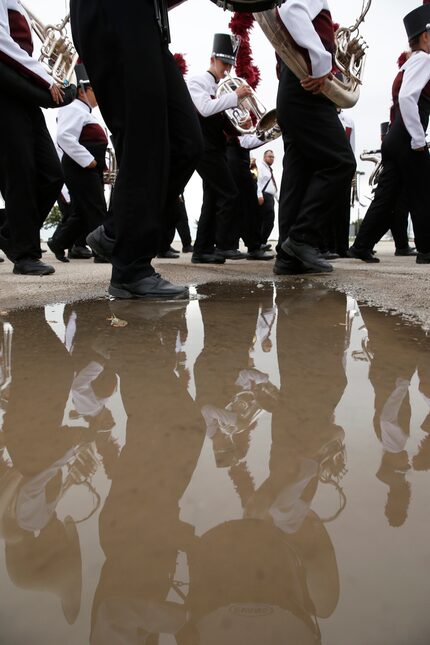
(246,468)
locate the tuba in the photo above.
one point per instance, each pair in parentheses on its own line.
(58,57)
(350,55)
(266,128)
(375,157)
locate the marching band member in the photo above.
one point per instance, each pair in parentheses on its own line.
(214,240)
(83,142)
(404,150)
(29,166)
(147,106)
(267,192)
(318,162)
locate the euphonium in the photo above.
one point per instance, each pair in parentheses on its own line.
(58,54)
(111,172)
(375,157)
(266,127)
(349,59)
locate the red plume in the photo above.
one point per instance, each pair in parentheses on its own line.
(403,58)
(181,63)
(240,25)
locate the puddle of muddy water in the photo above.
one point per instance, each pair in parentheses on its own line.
(247,468)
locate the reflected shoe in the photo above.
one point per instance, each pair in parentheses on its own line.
(330,255)
(362,254)
(79,253)
(231,254)
(406,251)
(207,258)
(168,255)
(307,254)
(100,243)
(154,286)
(259,255)
(57,251)
(423,258)
(29,266)
(188,249)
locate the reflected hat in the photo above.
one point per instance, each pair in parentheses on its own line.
(225,47)
(82,75)
(417,21)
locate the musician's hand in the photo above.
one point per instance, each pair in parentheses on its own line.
(93,164)
(315,85)
(57,94)
(246,124)
(243,92)
(261,200)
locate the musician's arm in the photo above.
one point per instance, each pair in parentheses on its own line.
(297,16)
(12,54)
(416,77)
(205,104)
(70,124)
(251,141)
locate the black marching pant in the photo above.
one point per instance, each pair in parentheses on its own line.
(31,176)
(217,221)
(88,199)
(399,225)
(267,216)
(180,224)
(247,219)
(66,209)
(403,169)
(147,107)
(318,163)
(337,234)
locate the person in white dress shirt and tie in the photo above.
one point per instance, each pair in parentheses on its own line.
(267,192)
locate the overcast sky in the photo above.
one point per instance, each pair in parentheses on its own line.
(194,23)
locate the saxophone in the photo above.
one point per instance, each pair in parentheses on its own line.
(350,56)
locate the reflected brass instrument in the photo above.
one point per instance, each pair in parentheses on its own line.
(5,363)
(266,128)
(342,89)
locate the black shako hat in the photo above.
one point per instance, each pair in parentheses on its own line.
(417,21)
(81,75)
(225,48)
(385,126)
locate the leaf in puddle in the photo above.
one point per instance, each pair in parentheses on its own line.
(117,322)
(4,313)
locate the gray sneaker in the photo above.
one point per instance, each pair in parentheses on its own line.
(154,286)
(100,243)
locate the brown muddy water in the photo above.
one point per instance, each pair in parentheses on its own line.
(250,467)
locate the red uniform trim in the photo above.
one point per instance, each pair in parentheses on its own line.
(397,86)
(20,31)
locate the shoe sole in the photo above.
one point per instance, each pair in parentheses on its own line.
(205,262)
(33,272)
(371,260)
(124,294)
(260,259)
(315,268)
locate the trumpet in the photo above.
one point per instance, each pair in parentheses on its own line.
(266,128)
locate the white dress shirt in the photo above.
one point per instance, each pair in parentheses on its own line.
(71,121)
(349,127)
(11,51)
(416,75)
(297,16)
(203,88)
(265,181)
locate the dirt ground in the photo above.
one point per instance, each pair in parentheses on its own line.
(395,284)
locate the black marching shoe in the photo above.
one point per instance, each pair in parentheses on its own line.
(154,286)
(57,251)
(366,255)
(423,258)
(231,254)
(258,254)
(406,251)
(309,256)
(29,266)
(100,259)
(79,253)
(265,247)
(100,243)
(188,249)
(207,258)
(330,255)
(292,266)
(168,255)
